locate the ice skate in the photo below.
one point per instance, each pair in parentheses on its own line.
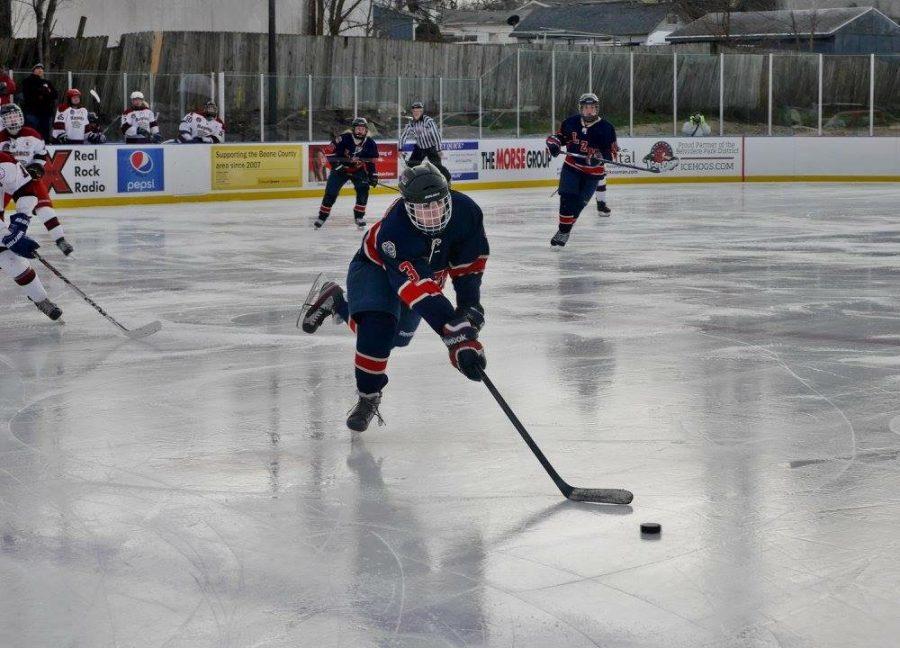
(364,411)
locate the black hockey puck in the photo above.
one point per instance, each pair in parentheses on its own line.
(651,528)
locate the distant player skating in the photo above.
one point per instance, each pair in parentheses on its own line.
(396,279)
(587,140)
(352,160)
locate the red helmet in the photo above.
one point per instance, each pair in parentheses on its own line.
(73,92)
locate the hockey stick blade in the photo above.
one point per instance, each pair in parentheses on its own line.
(601,495)
(597,495)
(144,331)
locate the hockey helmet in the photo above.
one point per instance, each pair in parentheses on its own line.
(12,118)
(359,127)
(137,98)
(210,109)
(417,105)
(426,196)
(73,93)
(589,106)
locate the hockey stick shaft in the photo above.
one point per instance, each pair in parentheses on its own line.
(599,495)
(564,488)
(613,162)
(90,301)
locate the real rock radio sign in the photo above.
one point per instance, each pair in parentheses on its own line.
(517,159)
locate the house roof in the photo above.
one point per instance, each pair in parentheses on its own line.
(461,17)
(769,24)
(626,18)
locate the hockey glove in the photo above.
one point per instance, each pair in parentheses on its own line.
(475,315)
(373,180)
(143,132)
(96,138)
(466,352)
(16,240)
(62,138)
(614,151)
(554,145)
(156,138)
(35,170)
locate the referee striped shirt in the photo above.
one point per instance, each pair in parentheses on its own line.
(424,131)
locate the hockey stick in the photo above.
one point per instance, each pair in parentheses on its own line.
(134,334)
(613,162)
(599,495)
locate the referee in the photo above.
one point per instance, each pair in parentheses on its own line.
(428,140)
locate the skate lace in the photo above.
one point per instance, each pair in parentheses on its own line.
(369,407)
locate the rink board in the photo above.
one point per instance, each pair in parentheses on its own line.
(121,175)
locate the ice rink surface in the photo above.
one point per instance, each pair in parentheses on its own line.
(729,353)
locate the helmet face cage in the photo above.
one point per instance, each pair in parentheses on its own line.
(210,109)
(359,128)
(589,106)
(12,117)
(73,96)
(431,217)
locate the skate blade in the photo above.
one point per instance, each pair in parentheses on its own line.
(313,291)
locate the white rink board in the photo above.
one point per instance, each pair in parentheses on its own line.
(165,173)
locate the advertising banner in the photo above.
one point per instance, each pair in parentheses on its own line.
(140,170)
(318,169)
(460,157)
(263,166)
(80,171)
(680,156)
(520,159)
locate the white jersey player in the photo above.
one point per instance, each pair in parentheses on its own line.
(202,128)
(74,124)
(139,123)
(15,246)
(28,147)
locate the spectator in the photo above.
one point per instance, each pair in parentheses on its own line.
(696,126)
(39,101)
(7,86)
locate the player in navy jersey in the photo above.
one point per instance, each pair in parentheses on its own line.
(586,139)
(353,159)
(396,279)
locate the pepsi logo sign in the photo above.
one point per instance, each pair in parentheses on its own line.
(141,162)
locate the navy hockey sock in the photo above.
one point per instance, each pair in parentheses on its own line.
(374,339)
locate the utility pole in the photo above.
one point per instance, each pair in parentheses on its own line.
(273,71)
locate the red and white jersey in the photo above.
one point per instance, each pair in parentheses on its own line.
(26,146)
(13,178)
(196,126)
(139,118)
(71,121)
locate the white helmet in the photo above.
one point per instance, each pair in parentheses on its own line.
(137,94)
(12,118)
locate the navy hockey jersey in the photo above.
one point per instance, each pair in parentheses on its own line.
(417,265)
(598,139)
(346,147)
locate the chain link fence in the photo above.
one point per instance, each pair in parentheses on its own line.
(529,92)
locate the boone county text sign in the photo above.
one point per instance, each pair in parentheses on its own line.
(256,167)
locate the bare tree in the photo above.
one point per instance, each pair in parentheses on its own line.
(335,17)
(6,18)
(44,22)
